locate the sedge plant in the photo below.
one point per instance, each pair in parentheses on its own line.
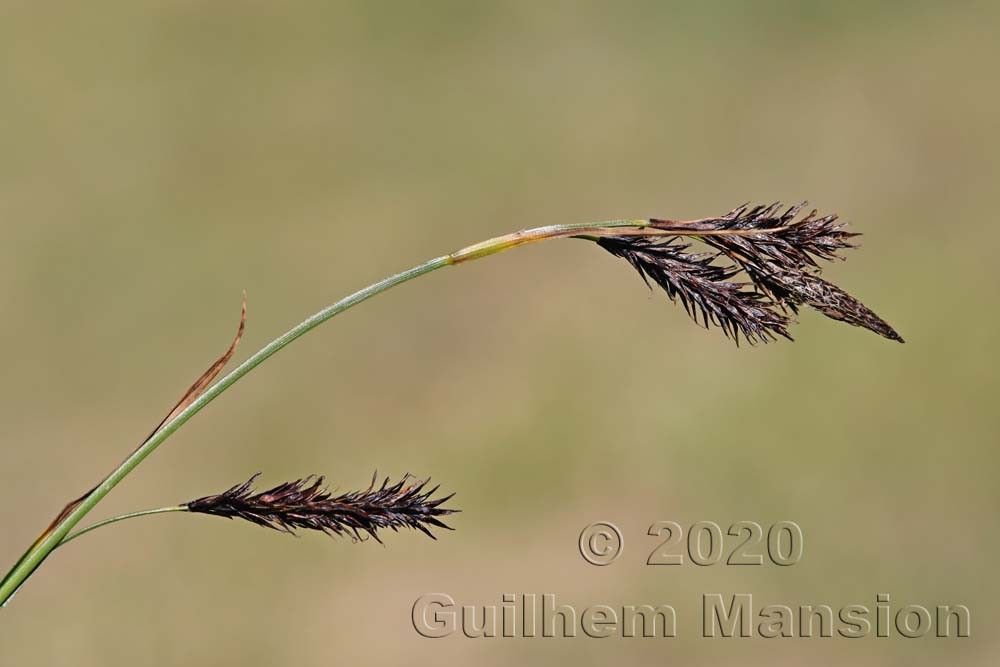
(753,270)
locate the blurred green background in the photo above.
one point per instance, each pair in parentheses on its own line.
(158,157)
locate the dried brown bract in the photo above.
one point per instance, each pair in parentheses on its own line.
(306,504)
(776,250)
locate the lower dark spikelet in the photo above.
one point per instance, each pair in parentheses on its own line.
(703,287)
(306,504)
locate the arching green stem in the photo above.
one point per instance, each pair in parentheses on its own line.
(41,549)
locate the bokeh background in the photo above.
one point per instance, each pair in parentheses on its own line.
(156,158)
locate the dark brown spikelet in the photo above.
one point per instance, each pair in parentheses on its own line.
(704,288)
(775,248)
(781,240)
(306,504)
(835,303)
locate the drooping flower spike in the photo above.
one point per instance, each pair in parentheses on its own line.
(776,256)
